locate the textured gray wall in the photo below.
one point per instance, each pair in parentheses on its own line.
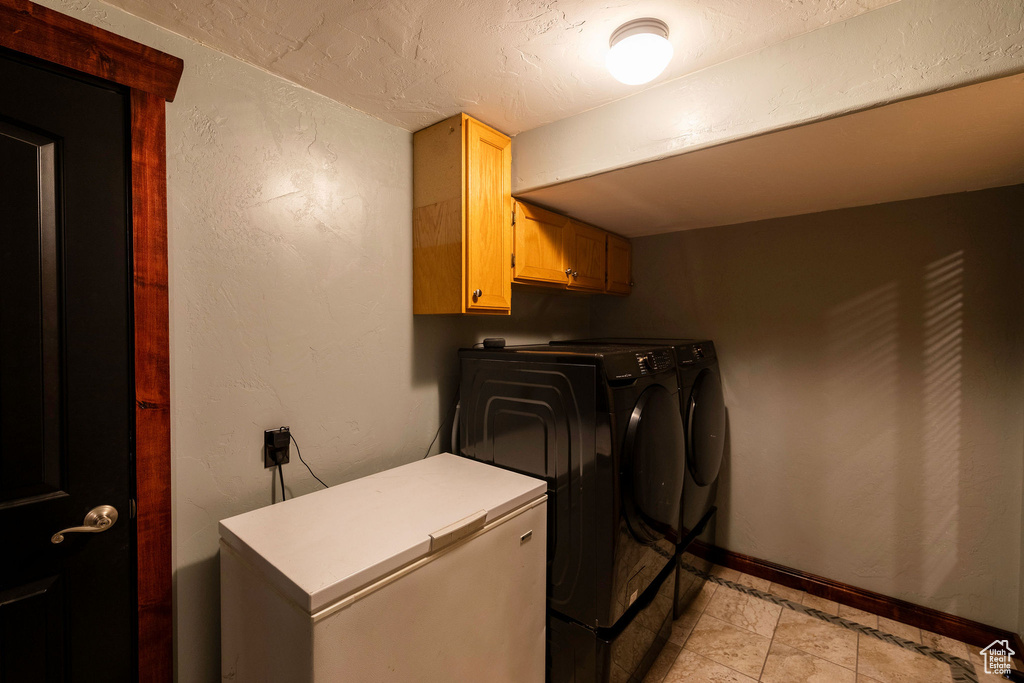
(291,286)
(291,303)
(873,363)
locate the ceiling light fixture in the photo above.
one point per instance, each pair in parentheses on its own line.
(639,51)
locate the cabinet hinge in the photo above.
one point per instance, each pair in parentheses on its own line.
(513,260)
(513,217)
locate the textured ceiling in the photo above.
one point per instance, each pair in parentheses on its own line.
(515,64)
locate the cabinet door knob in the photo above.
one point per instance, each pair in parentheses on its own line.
(575,274)
(568,271)
(477,293)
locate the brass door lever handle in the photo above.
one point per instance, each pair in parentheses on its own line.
(98,519)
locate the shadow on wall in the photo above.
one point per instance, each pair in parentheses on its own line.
(872,360)
(941,396)
(203,582)
(866,410)
(894,386)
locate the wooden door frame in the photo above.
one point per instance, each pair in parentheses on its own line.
(152,78)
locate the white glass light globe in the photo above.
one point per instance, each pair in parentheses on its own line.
(639,51)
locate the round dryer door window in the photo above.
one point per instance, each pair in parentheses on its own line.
(705,428)
(654,459)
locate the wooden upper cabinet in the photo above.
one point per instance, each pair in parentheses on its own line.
(539,245)
(620,266)
(586,256)
(462,218)
(489,219)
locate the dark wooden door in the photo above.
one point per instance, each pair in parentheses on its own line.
(67,610)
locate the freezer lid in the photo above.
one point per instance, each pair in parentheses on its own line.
(325,545)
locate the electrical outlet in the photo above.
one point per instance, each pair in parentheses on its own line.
(275,446)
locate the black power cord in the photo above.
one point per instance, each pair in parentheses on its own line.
(280,473)
(455,402)
(306,463)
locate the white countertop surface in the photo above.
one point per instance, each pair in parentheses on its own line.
(325,545)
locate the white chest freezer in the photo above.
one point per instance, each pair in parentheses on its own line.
(434,571)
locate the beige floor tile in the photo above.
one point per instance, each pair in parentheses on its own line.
(786,592)
(704,597)
(691,667)
(754,582)
(898,628)
(728,645)
(858,615)
(724,573)
(821,604)
(682,626)
(789,665)
(745,611)
(819,638)
(618,674)
(944,644)
(888,663)
(663,663)
(861,678)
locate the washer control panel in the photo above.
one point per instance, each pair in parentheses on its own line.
(654,361)
(695,353)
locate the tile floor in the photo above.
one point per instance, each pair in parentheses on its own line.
(728,636)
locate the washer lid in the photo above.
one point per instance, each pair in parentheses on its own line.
(325,545)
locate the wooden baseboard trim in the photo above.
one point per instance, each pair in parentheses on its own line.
(949,625)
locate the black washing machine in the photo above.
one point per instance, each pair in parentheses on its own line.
(601,425)
(702,409)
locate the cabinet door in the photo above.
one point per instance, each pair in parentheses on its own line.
(539,246)
(488,219)
(620,269)
(587,257)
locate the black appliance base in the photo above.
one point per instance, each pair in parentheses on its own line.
(688,584)
(577,654)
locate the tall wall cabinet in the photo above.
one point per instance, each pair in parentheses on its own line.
(471,241)
(462,218)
